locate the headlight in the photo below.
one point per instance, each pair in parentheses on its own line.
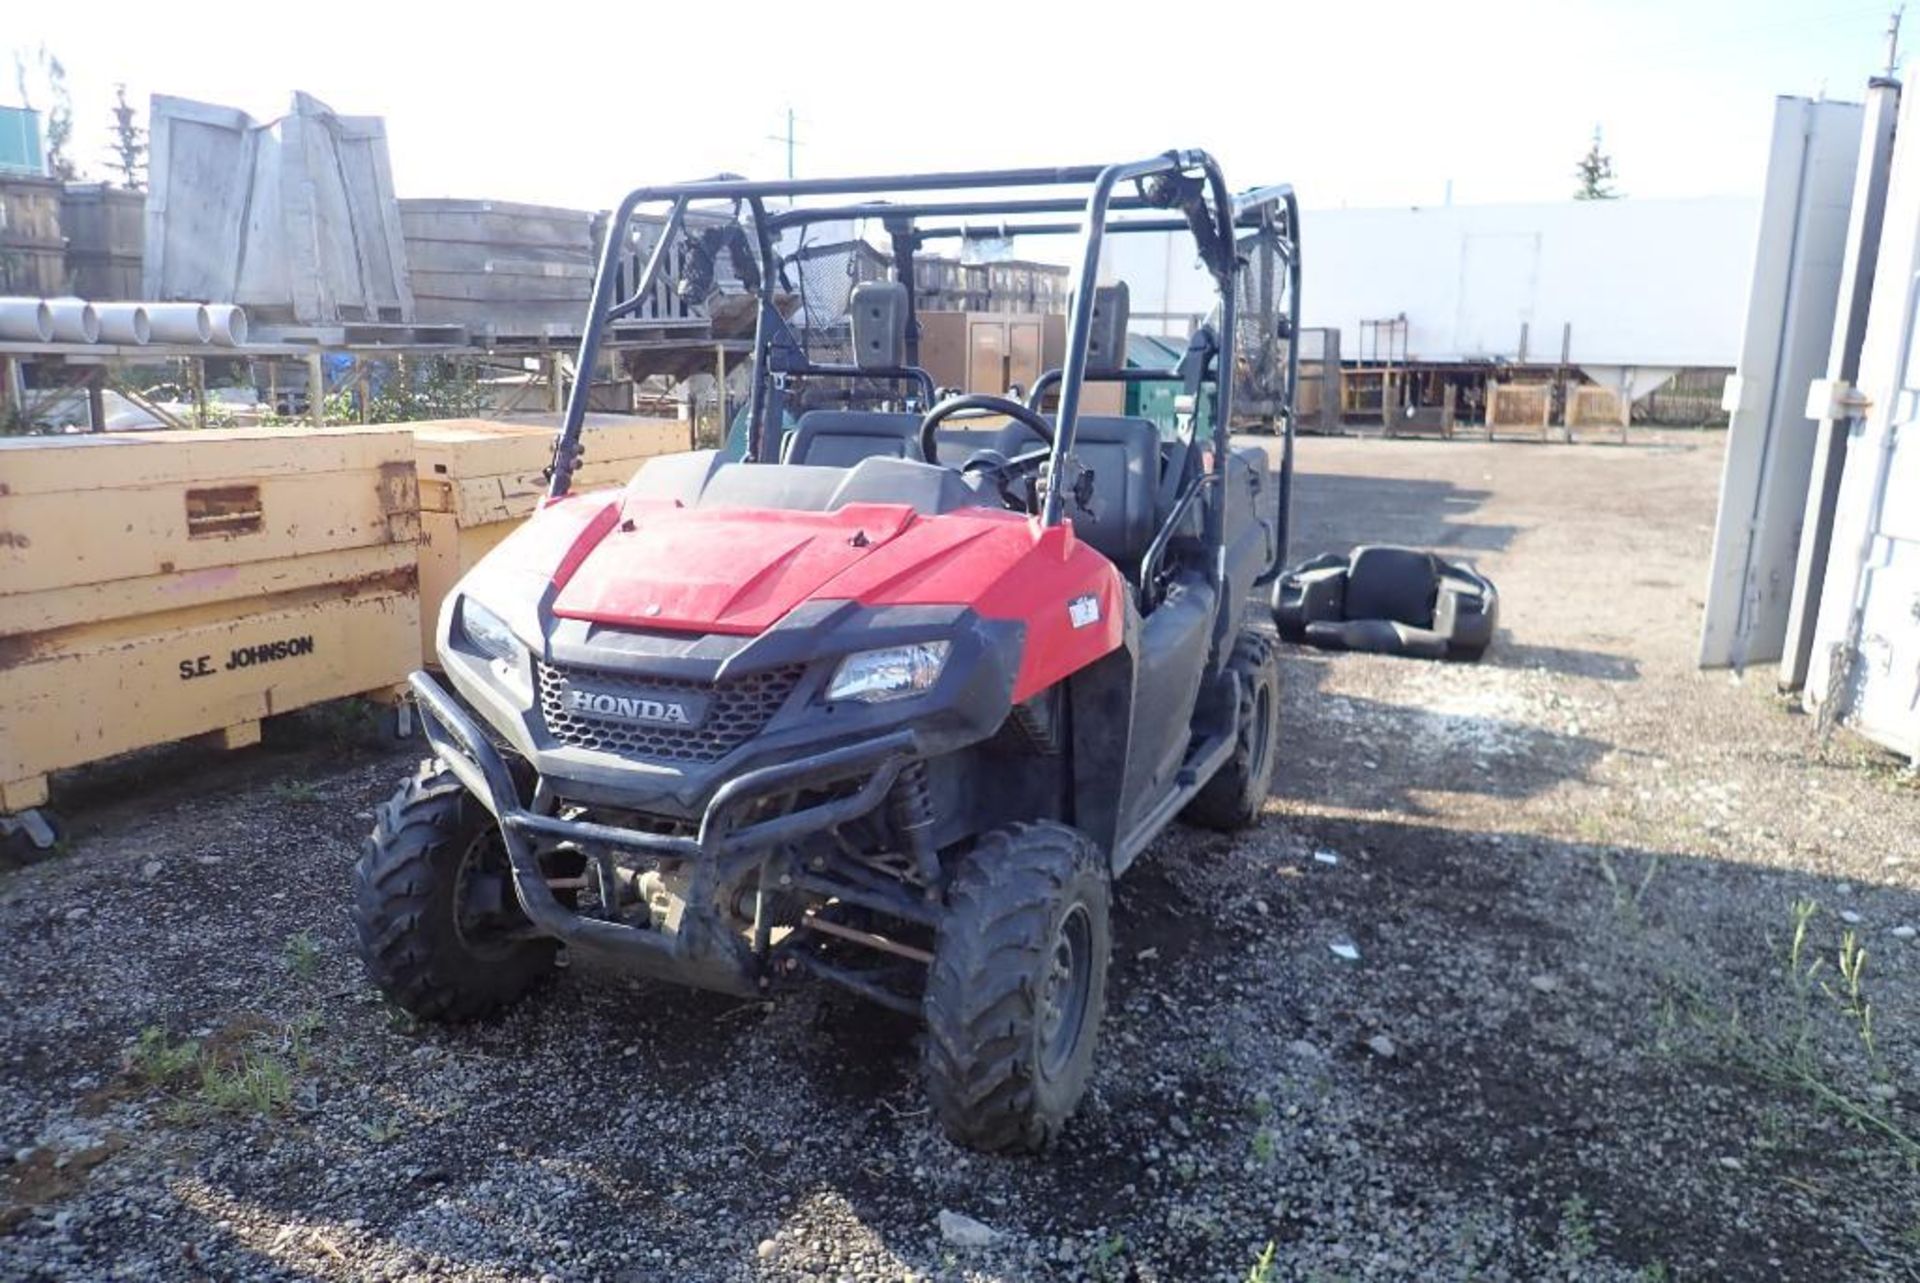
(490,636)
(890,673)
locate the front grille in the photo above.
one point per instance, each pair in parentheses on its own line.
(736,710)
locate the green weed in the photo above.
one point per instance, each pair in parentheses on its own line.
(1576,1228)
(381,1132)
(253,1083)
(1784,1051)
(1262,1271)
(296,790)
(158,1061)
(299,1038)
(1627,897)
(300,955)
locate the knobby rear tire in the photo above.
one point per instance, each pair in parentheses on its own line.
(1235,796)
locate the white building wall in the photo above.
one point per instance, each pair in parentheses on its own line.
(1642,282)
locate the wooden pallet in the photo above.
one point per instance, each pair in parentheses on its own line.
(1520,407)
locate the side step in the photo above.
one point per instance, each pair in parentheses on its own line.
(1206,759)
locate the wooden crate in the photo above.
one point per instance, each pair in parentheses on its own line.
(511,268)
(105,229)
(1525,406)
(1591,406)
(33,253)
(161,585)
(480,478)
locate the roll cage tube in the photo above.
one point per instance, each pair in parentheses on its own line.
(1189,182)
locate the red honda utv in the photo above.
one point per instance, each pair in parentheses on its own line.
(891,701)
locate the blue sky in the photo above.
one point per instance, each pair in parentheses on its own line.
(1357,104)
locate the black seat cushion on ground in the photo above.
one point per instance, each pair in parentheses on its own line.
(1388,600)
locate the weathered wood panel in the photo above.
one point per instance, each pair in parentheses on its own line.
(33,258)
(498,266)
(105,228)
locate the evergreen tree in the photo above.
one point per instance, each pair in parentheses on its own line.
(1595,172)
(129,143)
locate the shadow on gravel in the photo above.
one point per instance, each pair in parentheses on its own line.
(1578,1024)
(1567,660)
(1424,513)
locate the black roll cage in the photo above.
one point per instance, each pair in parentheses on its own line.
(1188,183)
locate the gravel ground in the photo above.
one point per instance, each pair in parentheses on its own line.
(1503,988)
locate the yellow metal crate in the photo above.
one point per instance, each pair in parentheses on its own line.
(160,585)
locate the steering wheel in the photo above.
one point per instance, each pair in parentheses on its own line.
(1028,419)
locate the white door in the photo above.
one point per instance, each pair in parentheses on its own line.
(1886,666)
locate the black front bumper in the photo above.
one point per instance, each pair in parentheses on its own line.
(705,951)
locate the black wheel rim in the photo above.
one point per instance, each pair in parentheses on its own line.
(1065,986)
(483,917)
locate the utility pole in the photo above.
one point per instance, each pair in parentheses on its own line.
(789,140)
(790,143)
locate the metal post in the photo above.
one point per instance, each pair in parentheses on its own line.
(605,281)
(197,380)
(316,390)
(904,243)
(11,395)
(97,399)
(721,426)
(1560,376)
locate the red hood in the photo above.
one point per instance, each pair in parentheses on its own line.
(653,564)
(721,570)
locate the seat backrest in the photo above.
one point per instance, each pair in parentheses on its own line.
(842,438)
(1388,582)
(1124,454)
